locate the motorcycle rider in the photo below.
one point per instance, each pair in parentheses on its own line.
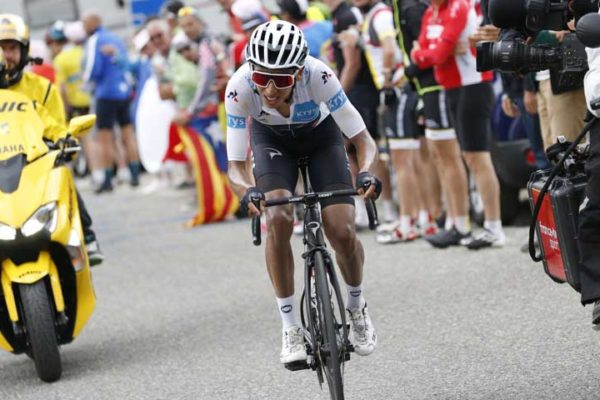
(14,42)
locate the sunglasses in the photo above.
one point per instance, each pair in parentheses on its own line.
(281,81)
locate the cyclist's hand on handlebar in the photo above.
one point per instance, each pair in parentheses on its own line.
(251,198)
(368,185)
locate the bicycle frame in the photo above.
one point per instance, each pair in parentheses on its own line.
(325,350)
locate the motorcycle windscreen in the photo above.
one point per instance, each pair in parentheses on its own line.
(10,173)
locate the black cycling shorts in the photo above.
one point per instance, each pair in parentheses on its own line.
(470,111)
(402,120)
(277,149)
(110,111)
(365,98)
(435,110)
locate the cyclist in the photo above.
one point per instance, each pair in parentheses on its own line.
(14,41)
(297,108)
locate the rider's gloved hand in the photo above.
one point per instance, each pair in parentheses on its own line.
(365,180)
(66,142)
(252,197)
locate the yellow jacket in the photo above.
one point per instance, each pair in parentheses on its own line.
(48,103)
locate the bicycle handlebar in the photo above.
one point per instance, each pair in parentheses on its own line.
(313,197)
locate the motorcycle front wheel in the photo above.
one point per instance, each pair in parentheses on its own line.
(40,328)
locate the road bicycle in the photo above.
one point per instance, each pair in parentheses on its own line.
(321,306)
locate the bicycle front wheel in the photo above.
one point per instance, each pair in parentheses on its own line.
(329,349)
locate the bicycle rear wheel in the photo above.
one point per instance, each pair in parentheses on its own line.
(329,348)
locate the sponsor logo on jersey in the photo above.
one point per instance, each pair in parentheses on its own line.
(306,112)
(233,121)
(325,77)
(337,101)
(233,95)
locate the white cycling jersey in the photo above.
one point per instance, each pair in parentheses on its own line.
(315,96)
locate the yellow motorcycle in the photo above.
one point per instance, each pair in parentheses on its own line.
(46,288)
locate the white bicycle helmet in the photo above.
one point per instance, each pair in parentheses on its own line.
(277,45)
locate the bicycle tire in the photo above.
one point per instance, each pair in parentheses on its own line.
(330,359)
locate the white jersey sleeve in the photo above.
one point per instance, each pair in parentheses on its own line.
(237,112)
(326,89)
(383,22)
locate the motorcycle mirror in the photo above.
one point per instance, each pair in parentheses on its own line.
(588,30)
(81,125)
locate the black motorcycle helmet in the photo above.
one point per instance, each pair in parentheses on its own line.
(12,27)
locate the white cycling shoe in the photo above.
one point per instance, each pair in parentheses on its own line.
(362,332)
(292,345)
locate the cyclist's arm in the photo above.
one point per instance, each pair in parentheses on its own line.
(383,23)
(237,138)
(352,64)
(366,150)
(346,117)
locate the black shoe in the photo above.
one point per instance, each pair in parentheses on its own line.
(596,313)
(444,238)
(135,181)
(105,187)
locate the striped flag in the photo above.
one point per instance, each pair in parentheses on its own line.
(207,155)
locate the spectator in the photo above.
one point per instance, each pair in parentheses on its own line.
(106,68)
(65,44)
(317,33)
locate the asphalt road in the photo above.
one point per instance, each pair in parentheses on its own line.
(190,314)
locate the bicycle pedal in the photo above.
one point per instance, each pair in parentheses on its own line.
(297,365)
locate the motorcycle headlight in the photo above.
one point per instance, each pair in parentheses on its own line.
(44,217)
(7,232)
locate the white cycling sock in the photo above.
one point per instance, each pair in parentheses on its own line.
(449,223)
(462,224)
(389,211)
(287,312)
(493,226)
(98,176)
(355,299)
(423,218)
(405,223)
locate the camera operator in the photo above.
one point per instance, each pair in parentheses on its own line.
(555,55)
(568,64)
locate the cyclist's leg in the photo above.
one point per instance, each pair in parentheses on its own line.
(402,131)
(446,154)
(474,110)
(106,113)
(328,170)
(431,194)
(276,174)
(129,141)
